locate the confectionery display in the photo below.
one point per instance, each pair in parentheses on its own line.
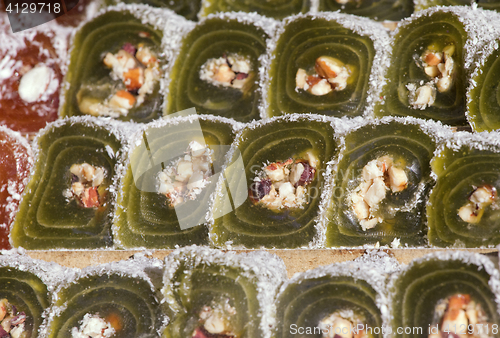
(431,56)
(115,66)
(463,205)
(446,292)
(69,200)
(164,204)
(275,174)
(380,10)
(381,183)
(214,294)
(325,64)
(16,161)
(217,67)
(112,300)
(277,9)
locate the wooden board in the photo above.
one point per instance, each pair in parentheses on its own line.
(295,260)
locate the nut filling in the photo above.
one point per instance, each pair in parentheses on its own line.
(378,176)
(215,322)
(331,75)
(459,317)
(479,199)
(185,177)
(93,326)
(137,70)
(85,182)
(283,185)
(232,70)
(439,66)
(342,324)
(12,321)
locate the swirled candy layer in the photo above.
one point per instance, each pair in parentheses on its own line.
(414,87)
(311,305)
(483,100)
(27,293)
(378,10)
(300,82)
(277,9)
(97,86)
(104,301)
(195,77)
(381,182)
(147,218)
(464,169)
(54,213)
(238,218)
(211,293)
(436,285)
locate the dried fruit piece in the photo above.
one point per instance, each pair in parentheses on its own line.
(85,183)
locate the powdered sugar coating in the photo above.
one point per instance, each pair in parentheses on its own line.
(362,26)
(162,20)
(319,238)
(137,138)
(14,186)
(267,272)
(268,25)
(140,267)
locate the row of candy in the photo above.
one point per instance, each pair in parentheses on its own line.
(205,293)
(137,63)
(288,182)
(245,67)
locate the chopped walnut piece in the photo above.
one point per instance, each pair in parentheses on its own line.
(185,177)
(439,66)
(282,184)
(86,180)
(480,198)
(459,316)
(377,178)
(228,71)
(331,75)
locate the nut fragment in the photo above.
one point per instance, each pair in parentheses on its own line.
(342,324)
(282,184)
(12,321)
(331,75)
(185,177)
(459,316)
(479,199)
(227,71)
(377,177)
(86,180)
